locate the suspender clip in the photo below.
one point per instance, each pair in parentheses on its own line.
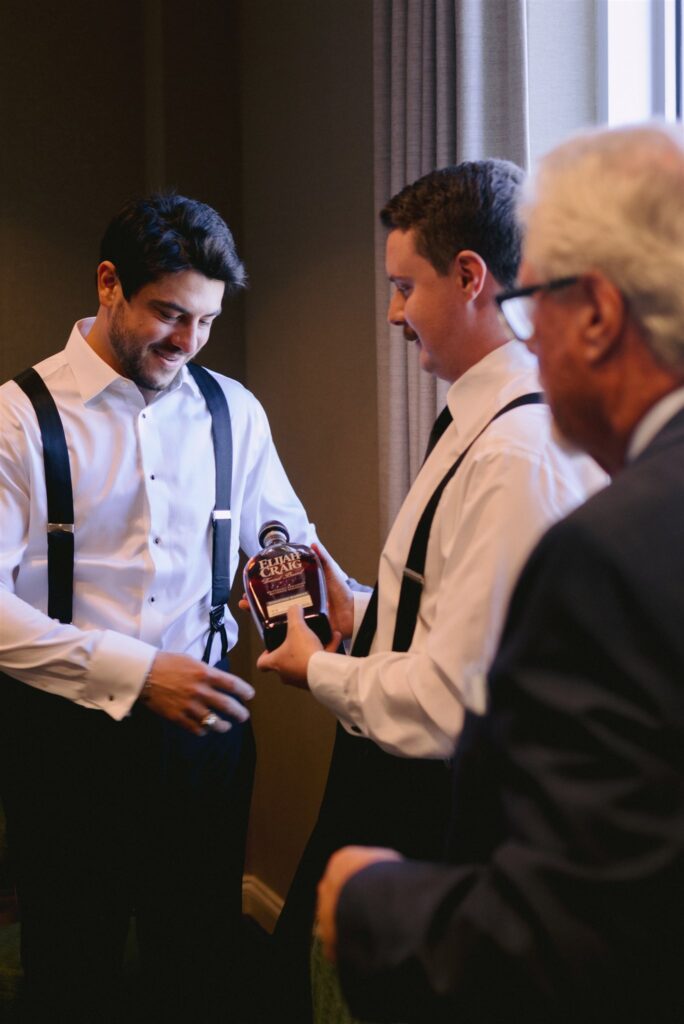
(416,577)
(217,617)
(221,513)
(60,527)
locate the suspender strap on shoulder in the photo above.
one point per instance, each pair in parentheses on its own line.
(60,500)
(413,578)
(366,631)
(221,516)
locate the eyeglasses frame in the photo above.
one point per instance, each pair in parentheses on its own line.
(531,289)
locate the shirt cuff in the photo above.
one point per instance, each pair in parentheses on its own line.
(329,679)
(117,672)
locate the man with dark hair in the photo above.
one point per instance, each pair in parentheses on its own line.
(125,761)
(493,479)
(166,234)
(564,898)
(472,209)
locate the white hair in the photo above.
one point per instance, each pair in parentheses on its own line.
(613,201)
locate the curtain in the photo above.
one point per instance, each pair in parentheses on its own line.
(449,85)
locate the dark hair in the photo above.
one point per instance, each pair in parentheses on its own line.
(464,206)
(167,233)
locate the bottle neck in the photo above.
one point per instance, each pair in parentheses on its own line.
(274,537)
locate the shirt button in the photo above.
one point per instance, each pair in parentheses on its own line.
(157,540)
(152,600)
(151,476)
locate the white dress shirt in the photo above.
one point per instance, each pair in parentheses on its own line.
(512,485)
(654,421)
(144,484)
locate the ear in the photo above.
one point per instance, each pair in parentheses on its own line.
(107,283)
(471,271)
(605,317)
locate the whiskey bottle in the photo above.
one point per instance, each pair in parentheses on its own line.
(282,576)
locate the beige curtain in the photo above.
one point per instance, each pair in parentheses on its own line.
(450,85)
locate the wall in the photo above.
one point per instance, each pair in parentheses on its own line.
(72,147)
(309,328)
(97,107)
(263,109)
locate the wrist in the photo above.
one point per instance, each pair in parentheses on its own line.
(146,688)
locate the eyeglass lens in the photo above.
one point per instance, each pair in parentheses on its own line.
(517,312)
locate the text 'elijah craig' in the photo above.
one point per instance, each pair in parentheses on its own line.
(282,576)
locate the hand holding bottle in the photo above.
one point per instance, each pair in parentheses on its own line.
(340,598)
(291,659)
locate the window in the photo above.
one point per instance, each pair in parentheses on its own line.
(639,51)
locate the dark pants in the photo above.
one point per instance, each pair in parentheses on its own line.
(111,818)
(373,799)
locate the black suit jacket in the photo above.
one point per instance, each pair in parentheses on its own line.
(564,898)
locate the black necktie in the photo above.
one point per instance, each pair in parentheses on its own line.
(438,428)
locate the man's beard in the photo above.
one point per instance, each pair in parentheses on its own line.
(131,356)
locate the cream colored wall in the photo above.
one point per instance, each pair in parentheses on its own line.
(262,108)
(309,330)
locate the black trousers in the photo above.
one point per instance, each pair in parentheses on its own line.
(373,799)
(106,819)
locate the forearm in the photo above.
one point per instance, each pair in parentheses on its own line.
(530,936)
(264,492)
(419,941)
(400,701)
(99,668)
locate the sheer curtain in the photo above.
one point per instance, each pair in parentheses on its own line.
(450,85)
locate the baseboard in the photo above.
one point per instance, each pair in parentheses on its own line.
(260,902)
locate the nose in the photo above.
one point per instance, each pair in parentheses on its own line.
(395,310)
(184,337)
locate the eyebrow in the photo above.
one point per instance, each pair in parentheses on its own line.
(162,303)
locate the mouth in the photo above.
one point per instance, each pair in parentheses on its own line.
(171,358)
(410,334)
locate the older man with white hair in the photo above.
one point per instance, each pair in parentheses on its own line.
(564,897)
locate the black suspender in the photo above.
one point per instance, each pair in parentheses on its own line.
(60,504)
(60,499)
(413,579)
(222,436)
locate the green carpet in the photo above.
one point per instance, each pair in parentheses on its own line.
(329,1006)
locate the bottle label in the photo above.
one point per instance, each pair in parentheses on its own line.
(296,601)
(281,565)
(279,577)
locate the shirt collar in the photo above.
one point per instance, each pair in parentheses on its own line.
(93,375)
(653,422)
(504,374)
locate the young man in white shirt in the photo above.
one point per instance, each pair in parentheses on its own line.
(453,243)
(126,760)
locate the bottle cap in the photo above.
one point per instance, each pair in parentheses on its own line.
(272,526)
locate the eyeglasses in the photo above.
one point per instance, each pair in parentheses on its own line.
(515,307)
